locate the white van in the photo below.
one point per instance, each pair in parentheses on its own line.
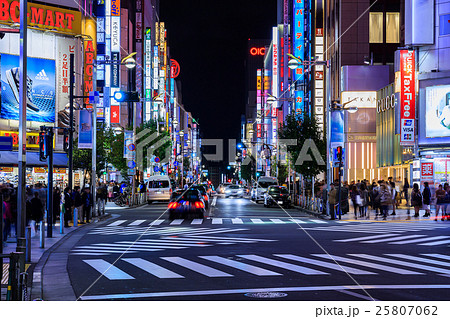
(261,187)
(159,188)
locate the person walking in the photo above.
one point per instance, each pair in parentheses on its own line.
(110,192)
(406,190)
(394,196)
(7,217)
(354,193)
(344,199)
(416,199)
(385,200)
(440,198)
(332,201)
(78,204)
(68,203)
(37,210)
(56,204)
(86,198)
(364,194)
(426,199)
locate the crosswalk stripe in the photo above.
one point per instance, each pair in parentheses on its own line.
(364,238)
(446,257)
(137,222)
(192,265)
(102,251)
(369,265)
(318,221)
(276,221)
(152,268)
(436,243)
(163,242)
(197,221)
(391,239)
(227,238)
(325,264)
(420,259)
(419,240)
(157,222)
(117,222)
(258,271)
(282,264)
(237,221)
(176,222)
(217,221)
(297,221)
(256,221)
(108,270)
(111,247)
(402,263)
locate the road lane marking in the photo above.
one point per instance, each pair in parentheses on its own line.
(436,243)
(282,264)
(369,265)
(446,257)
(177,222)
(197,221)
(390,239)
(364,238)
(108,270)
(156,222)
(325,264)
(202,269)
(137,222)
(117,222)
(317,221)
(152,268)
(276,221)
(402,263)
(216,221)
(297,221)
(237,221)
(256,221)
(419,240)
(258,271)
(420,259)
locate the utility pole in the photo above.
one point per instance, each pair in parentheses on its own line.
(49,146)
(22,149)
(71,128)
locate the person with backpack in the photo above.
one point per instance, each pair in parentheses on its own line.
(385,200)
(426,199)
(416,199)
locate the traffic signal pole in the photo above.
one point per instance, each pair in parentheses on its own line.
(49,146)
(71,128)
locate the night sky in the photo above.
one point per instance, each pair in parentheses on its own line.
(209,40)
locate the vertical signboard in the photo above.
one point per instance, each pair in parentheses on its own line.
(275,81)
(407,97)
(85,130)
(258,95)
(299,51)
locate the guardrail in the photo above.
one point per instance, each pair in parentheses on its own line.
(17,286)
(314,204)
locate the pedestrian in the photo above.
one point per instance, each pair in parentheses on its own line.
(78,204)
(116,190)
(7,217)
(344,199)
(110,192)
(37,210)
(86,198)
(385,200)
(394,197)
(332,200)
(364,194)
(406,190)
(354,195)
(416,199)
(376,196)
(68,203)
(446,200)
(56,204)
(426,199)
(440,198)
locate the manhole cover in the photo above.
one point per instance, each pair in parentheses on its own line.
(266,294)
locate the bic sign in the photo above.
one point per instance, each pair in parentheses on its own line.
(257,51)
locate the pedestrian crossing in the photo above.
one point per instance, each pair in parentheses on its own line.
(399,239)
(214,266)
(168,238)
(381,228)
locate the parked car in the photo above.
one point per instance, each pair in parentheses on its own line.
(203,192)
(277,195)
(234,190)
(261,186)
(159,188)
(187,204)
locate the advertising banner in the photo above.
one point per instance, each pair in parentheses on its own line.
(299,51)
(128,148)
(426,171)
(115,114)
(407,97)
(115,70)
(437,117)
(85,130)
(337,129)
(41,91)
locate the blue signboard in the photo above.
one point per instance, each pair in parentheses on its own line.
(299,52)
(85,130)
(41,91)
(6,143)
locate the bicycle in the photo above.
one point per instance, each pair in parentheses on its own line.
(121,200)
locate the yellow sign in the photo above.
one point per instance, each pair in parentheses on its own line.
(40,16)
(32,138)
(6,169)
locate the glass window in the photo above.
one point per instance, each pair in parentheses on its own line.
(376,27)
(159,184)
(392,27)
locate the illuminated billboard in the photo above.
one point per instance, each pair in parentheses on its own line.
(437,118)
(299,52)
(407,97)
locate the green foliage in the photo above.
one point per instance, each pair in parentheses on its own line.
(115,155)
(302,130)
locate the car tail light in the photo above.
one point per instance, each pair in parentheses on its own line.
(173,205)
(205,197)
(199,205)
(170,190)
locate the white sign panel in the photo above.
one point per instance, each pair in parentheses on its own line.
(359,99)
(115,34)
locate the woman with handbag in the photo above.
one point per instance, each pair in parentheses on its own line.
(416,199)
(364,200)
(356,198)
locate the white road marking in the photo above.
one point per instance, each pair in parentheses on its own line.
(402,263)
(325,264)
(318,221)
(424,260)
(365,238)
(237,221)
(216,221)
(446,257)
(256,221)
(258,271)
(137,222)
(202,269)
(117,222)
(152,268)
(436,243)
(297,221)
(197,221)
(390,239)
(157,222)
(282,264)
(369,265)
(276,221)
(177,222)
(108,270)
(419,240)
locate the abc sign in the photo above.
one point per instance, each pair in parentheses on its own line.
(257,51)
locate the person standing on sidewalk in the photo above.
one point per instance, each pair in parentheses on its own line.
(364,200)
(37,209)
(7,217)
(385,200)
(440,197)
(416,199)
(86,198)
(78,203)
(354,193)
(68,203)
(394,196)
(344,199)
(426,199)
(110,192)
(406,190)
(56,204)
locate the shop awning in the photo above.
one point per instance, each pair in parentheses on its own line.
(9,158)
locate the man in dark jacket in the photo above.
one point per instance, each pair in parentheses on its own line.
(86,198)
(426,194)
(68,203)
(78,203)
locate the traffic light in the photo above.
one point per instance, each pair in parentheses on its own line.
(126,96)
(66,141)
(42,147)
(339,153)
(170,171)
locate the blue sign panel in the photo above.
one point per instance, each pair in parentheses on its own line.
(6,143)
(85,130)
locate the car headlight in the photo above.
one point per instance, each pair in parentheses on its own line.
(227,191)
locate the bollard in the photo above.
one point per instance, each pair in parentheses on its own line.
(75,217)
(41,234)
(28,244)
(61,222)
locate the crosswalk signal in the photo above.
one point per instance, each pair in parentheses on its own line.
(339,153)
(66,141)
(126,96)
(42,147)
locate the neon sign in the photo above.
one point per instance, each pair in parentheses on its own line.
(257,51)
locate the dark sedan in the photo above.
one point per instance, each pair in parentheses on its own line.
(186,204)
(203,192)
(277,195)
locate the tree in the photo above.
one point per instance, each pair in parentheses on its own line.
(309,154)
(115,155)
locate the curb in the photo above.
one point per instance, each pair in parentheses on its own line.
(37,285)
(315,214)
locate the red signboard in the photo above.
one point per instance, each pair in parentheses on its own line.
(258,51)
(258,130)
(115,114)
(174,68)
(426,170)
(407,96)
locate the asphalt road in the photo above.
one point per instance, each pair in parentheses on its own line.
(243,251)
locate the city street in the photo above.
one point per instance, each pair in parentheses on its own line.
(243,251)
